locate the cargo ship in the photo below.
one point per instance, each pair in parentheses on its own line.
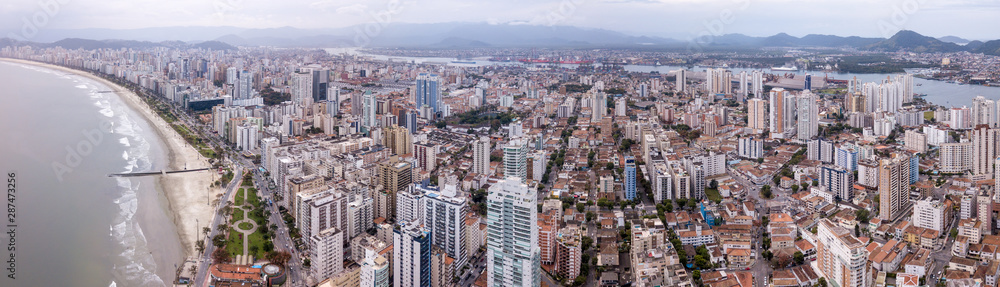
(463,62)
(792,68)
(544,61)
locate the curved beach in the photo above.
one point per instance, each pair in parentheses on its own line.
(190,198)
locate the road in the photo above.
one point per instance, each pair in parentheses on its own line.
(219,218)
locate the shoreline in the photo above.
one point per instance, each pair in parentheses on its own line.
(188,195)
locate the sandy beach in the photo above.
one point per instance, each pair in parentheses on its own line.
(188,195)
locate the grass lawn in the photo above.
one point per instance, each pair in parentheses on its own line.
(252,197)
(257,239)
(246,226)
(237,215)
(713,195)
(928,115)
(234,245)
(239,197)
(259,219)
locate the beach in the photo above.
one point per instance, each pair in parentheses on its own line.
(189,197)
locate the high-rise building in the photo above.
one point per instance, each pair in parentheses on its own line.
(326,252)
(955,157)
(333,101)
(757,83)
(681,82)
(983,112)
(410,203)
(368,112)
(320,210)
(751,148)
(394,175)
(302,88)
(360,214)
(893,185)
(568,252)
(515,159)
(397,139)
(411,255)
(718,81)
(837,181)
(840,256)
(513,255)
(621,107)
(428,92)
(931,214)
(808,116)
(757,115)
(375,272)
(245,85)
(916,141)
(481,156)
(425,155)
(444,215)
(744,87)
(984,203)
(630,178)
(599,106)
(985,141)
(782,110)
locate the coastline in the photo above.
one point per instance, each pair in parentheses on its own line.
(188,195)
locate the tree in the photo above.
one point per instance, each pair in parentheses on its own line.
(278,257)
(857,230)
(766,191)
(610,166)
(692,204)
(580,206)
(795,188)
(221,256)
(799,258)
(767,254)
(590,216)
(713,184)
(822,282)
(586,242)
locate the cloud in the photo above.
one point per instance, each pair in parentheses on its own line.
(356,9)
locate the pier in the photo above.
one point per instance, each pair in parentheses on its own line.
(162,172)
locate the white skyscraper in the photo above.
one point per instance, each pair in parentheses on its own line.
(444,215)
(481,156)
(513,254)
(600,106)
(984,112)
(744,85)
(757,84)
(321,210)
(411,255)
(515,159)
(410,204)
(360,214)
(808,115)
(326,252)
(681,81)
(368,110)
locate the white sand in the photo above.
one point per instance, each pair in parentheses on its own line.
(187,194)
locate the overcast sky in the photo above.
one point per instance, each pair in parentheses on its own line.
(680,19)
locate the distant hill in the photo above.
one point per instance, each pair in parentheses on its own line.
(914,42)
(954,39)
(467,35)
(989,48)
(87,44)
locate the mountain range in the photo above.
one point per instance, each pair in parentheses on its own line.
(471,35)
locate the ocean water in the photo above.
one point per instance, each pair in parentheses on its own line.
(62,135)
